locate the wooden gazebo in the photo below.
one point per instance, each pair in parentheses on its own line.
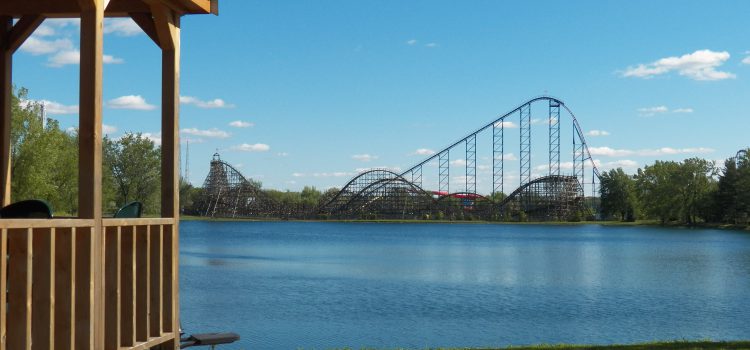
(91,282)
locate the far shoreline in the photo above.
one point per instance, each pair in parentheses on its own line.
(646,223)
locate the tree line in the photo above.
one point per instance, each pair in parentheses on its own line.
(688,192)
(44,163)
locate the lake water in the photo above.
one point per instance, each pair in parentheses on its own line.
(290,285)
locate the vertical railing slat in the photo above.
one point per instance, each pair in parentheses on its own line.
(64,287)
(19,288)
(168,279)
(156,281)
(112,268)
(84,292)
(3,286)
(127,296)
(142,282)
(43,289)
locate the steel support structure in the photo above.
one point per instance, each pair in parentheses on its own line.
(497,157)
(525,148)
(444,166)
(554,137)
(578,158)
(416,176)
(471,164)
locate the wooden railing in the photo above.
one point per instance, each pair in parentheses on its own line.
(49,289)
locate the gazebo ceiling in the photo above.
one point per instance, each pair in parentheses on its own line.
(115,8)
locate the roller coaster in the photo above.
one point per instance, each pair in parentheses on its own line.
(386,194)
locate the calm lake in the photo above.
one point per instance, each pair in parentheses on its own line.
(288,285)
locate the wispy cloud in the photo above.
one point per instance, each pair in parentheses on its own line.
(611,152)
(423,152)
(71,57)
(652,111)
(53,108)
(364,157)
(431,45)
(506,124)
(241,124)
(215,103)
(154,137)
(597,133)
(324,174)
(211,133)
(746,60)
(256,147)
(134,102)
(108,129)
(121,27)
(37,46)
(411,42)
(699,65)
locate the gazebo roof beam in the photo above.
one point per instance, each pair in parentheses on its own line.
(116,8)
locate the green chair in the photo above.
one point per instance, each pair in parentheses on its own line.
(130,210)
(27,209)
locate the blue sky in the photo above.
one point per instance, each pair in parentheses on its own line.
(298,93)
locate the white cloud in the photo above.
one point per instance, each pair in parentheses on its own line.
(108,129)
(652,111)
(282,154)
(212,133)
(597,133)
(121,27)
(683,110)
(458,162)
(69,57)
(241,124)
(156,138)
(699,65)
(246,147)
(36,46)
(411,42)
(423,152)
(610,152)
(364,157)
(746,60)
(394,169)
(431,45)
(215,103)
(325,174)
(53,108)
(506,124)
(508,157)
(135,102)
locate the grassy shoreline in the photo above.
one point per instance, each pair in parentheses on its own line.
(672,345)
(651,223)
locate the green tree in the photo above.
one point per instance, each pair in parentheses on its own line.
(657,190)
(618,196)
(135,163)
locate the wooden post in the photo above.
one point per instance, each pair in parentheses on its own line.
(6,87)
(167,24)
(90,157)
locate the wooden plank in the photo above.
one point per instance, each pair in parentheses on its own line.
(3,286)
(90,153)
(152,343)
(64,287)
(112,262)
(115,8)
(45,223)
(84,289)
(43,290)
(142,282)
(137,221)
(23,30)
(20,251)
(156,280)
(127,284)
(6,89)
(146,22)
(169,281)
